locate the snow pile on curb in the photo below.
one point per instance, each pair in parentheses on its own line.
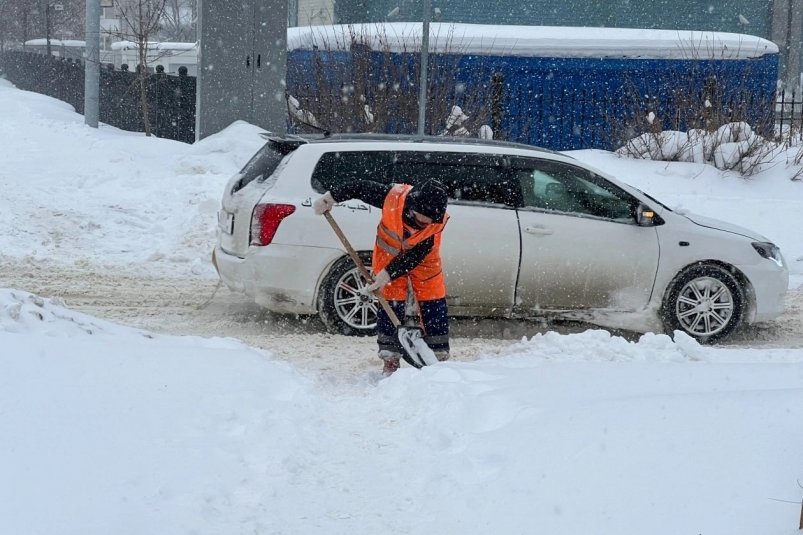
(23,312)
(601,346)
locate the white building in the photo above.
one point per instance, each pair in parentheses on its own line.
(172,56)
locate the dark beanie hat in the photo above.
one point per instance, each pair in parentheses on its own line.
(429,199)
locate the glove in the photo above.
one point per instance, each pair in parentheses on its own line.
(380,280)
(323,204)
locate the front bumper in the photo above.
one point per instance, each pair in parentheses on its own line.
(770,283)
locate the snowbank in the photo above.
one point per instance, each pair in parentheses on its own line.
(128,434)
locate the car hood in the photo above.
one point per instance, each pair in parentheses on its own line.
(710,222)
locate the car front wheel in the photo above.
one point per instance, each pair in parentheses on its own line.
(341,305)
(706,302)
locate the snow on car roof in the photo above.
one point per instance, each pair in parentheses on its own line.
(410,138)
(538,41)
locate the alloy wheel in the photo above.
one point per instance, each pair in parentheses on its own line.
(704,306)
(354,308)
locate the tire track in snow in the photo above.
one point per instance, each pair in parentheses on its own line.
(182,306)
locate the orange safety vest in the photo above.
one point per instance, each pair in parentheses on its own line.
(393,237)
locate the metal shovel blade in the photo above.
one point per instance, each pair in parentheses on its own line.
(417,352)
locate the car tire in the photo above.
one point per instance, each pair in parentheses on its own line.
(704,301)
(341,307)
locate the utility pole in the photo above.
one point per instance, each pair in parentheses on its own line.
(47,25)
(422,83)
(92,64)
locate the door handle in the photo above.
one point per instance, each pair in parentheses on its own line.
(539,230)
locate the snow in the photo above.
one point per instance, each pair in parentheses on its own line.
(537,41)
(511,40)
(176,46)
(109,196)
(106,428)
(56,42)
(118,432)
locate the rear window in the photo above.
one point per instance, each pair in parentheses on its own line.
(339,167)
(262,164)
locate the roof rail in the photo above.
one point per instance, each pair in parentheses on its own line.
(328,137)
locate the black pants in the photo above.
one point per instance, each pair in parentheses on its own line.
(433,318)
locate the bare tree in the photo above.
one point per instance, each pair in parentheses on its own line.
(7,23)
(379,92)
(141,20)
(179,21)
(67,18)
(15,18)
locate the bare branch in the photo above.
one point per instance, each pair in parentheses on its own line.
(141,20)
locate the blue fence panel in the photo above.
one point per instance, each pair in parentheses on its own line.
(562,103)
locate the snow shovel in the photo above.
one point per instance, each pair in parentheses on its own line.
(416,351)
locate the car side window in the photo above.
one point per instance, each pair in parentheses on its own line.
(345,166)
(467,177)
(560,187)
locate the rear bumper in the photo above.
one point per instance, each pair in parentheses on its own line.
(281,278)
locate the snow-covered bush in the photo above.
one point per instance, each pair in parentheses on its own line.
(302,116)
(713,119)
(732,147)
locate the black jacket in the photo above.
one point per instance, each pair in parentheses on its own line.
(374,193)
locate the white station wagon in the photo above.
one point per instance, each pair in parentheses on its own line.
(532,233)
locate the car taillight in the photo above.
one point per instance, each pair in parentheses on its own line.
(265,221)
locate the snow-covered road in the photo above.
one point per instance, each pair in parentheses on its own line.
(193,306)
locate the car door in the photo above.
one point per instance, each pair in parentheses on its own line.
(480,246)
(581,246)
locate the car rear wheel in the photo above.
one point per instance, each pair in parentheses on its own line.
(341,306)
(706,302)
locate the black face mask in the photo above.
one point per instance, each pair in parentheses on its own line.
(411,221)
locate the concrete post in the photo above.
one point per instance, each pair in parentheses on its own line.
(92,64)
(795,44)
(426,14)
(47,27)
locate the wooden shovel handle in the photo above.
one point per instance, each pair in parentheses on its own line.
(356,259)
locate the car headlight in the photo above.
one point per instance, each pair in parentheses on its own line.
(769,251)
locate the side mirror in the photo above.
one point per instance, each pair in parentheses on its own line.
(646,216)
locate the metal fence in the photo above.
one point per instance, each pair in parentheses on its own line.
(171,99)
(789,113)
